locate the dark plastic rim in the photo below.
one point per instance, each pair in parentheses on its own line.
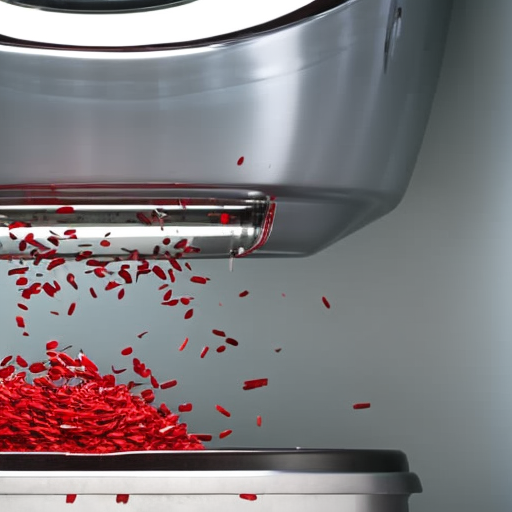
(98,6)
(298,460)
(313,9)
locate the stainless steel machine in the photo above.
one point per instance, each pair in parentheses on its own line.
(209,128)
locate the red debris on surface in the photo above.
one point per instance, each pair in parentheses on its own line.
(255,383)
(122,498)
(70,498)
(249,497)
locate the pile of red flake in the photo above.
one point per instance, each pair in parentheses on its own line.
(70,407)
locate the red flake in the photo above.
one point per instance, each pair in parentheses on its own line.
(171,275)
(204,437)
(120,295)
(175,264)
(184,344)
(92,291)
(25,333)
(17,270)
(142,334)
(199,279)
(71,280)
(49,289)
(240,161)
(143,219)
(222,334)
(163,287)
(33,289)
(362,405)
(166,241)
(53,240)
(277,350)
(21,362)
(256,383)
(105,243)
(83,255)
(258,421)
(22,245)
(65,209)
(55,263)
(186,300)
(159,272)
(70,498)
(173,302)
(127,351)
(243,294)
(156,250)
(224,218)
(22,306)
(71,308)
(204,351)
(189,314)
(221,348)
(154,382)
(70,232)
(56,313)
(12,236)
(111,285)
(225,433)
(5,360)
(51,345)
(167,296)
(148,395)
(87,363)
(232,341)
(37,368)
(249,497)
(223,411)
(181,244)
(19,224)
(168,384)
(122,498)
(7,372)
(187,264)
(123,273)
(21,281)
(100,272)
(326,303)
(185,407)
(20,322)
(117,372)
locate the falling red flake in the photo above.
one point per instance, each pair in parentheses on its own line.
(93,293)
(83,255)
(70,498)
(224,218)
(163,287)
(175,264)
(223,411)
(143,219)
(204,351)
(120,295)
(127,351)
(19,224)
(105,243)
(20,322)
(37,368)
(142,334)
(71,280)
(159,272)
(49,289)
(258,421)
(53,240)
(243,294)
(187,264)
(326,303)
(21,281)
(51,345)
(362,405)
(173,302)
(189,314)
(5,360)
(55,263)
(240,161)
(22,306)
(65,209)
(25,333)
(249,497)
(166,241)
(222,334)
(184,344)
(225,433)
(71,308)
(70,232)
(124,274)
(148,395)
(181,244)
(277,350)
(256,383)
(199,279)
(186,300)
(154,382)
(185,407)
(56,313)
(168,384)
(204,437)
(167,295)
(17,270)
(122,498)
(117,372)
(172,277)
(232,341)
(221,348)
(33,289)
(111,285)
(21,362)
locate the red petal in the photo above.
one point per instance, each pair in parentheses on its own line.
(127,351)
(189,314)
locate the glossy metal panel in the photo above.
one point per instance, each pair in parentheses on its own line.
(328,113)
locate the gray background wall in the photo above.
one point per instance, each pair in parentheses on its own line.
(421,316)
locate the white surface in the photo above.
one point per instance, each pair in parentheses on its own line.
(421,318)
(196,20)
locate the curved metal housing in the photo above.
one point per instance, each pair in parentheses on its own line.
(323,112)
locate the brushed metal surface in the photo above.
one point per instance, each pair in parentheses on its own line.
(323,124)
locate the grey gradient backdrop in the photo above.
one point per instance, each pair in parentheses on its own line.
(421,318)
